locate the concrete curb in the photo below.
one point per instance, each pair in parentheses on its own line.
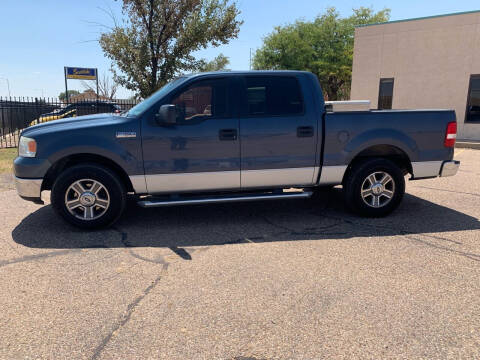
(468,145)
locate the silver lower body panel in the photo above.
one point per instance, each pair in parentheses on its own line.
(200,181)
(332,175)
(424,169)
(277,177)
(224,180)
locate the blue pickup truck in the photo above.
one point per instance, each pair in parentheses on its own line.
(231,136)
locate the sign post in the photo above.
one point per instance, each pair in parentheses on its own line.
(80,74)
(66,88)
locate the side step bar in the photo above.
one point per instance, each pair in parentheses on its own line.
(226,199)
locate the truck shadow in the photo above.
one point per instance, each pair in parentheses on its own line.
(221,224)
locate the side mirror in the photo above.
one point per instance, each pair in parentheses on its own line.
(167,115)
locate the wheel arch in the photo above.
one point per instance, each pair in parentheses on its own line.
(386,151)
(75,159)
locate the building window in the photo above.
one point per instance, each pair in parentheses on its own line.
(473,101)
(385,94)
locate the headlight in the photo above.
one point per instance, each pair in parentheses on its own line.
(27,147)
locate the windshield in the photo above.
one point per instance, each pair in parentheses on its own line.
(147,103)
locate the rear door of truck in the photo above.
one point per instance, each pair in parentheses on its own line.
(278,131)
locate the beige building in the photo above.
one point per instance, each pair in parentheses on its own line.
(425,63)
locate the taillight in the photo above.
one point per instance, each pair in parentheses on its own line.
(451,134)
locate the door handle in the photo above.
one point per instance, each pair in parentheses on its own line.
(305,131)
(227,134)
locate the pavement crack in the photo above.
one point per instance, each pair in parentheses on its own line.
(38,256)
(445,190)
(471,256)
(124,240)
(410,236)
(392,229)
(125,318)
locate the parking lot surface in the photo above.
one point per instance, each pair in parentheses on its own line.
(268,280)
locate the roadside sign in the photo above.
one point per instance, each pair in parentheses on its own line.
(80,73)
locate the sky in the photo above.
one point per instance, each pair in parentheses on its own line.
(39,38)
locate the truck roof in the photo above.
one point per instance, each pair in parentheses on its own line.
(249,72)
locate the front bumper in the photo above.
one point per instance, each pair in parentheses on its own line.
(29,189)
(449,168)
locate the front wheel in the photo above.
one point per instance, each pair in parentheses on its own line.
(374,187)
(88,196)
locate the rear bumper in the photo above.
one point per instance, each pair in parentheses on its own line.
(433,169)
(449,168)
(29,189)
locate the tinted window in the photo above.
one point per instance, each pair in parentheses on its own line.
(385,95)
(203,100)
(272,95)
(473,102)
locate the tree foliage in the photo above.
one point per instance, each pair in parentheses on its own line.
(219,63)
(63,97)
(156,40)
(323,46)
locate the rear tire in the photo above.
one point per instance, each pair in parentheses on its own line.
(88,196)
(374,187)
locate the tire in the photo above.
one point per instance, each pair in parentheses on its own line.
(88,196)
(374,187)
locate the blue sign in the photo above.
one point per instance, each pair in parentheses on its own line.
(80,73)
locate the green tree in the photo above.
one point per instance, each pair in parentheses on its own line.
(63,97)
(156,41)
(323,46)
(219,63)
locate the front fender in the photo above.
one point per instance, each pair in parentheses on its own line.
(123,156)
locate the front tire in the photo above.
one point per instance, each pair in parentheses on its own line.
(88,196)
(374,187)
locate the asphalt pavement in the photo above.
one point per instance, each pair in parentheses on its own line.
(292,279)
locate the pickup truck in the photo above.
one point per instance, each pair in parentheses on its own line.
(231,136)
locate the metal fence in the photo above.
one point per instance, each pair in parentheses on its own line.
(17,114)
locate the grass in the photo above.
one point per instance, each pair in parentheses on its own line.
(6,160)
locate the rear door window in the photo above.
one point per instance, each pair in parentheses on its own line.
(272,96)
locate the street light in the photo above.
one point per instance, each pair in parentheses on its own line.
(8,84)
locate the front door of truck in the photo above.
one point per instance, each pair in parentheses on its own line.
(278,133)
(201,151)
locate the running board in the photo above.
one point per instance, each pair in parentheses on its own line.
(225,199)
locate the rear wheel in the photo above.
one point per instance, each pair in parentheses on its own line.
(88,196)
(374,187)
